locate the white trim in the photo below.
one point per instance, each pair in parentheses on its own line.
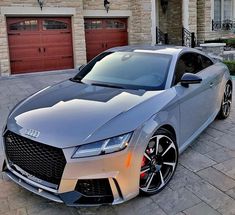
(154,21)
(222,10)
(103,13)
(157,12)
(186,14)
(212,9)
(36,11)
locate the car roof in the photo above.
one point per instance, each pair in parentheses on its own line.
(158,49)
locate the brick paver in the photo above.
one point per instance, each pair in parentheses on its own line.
(204,182)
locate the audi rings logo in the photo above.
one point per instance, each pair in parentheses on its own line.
(32,133)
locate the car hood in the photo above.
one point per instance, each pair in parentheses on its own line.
(70,114)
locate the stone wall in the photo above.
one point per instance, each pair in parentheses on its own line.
(192,16)
(140,32)
(99,5)
(139,23)
(204,23)
(171,21)
(78,29)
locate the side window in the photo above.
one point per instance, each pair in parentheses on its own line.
(187,63)
(206,62)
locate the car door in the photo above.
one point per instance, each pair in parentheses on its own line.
(215,74)
(194,101)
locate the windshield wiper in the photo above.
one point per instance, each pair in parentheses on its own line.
(107,85)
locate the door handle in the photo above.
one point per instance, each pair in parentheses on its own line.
(44,49)
(211,85)
(39,50)
(106,45)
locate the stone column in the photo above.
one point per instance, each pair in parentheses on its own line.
(4,54)
(174,22)
(142,23)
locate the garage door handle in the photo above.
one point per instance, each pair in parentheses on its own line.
(106,45)
(44,49)
(39,50)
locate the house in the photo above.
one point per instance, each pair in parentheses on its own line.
(44,35)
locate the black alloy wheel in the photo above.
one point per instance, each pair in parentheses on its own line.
(159,162)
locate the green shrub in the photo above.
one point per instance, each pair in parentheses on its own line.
(231,66)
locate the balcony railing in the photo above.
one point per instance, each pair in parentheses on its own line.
(225,25)
(161,38)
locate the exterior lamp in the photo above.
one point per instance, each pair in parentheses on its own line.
(164,5)
(41,3)
(106,5)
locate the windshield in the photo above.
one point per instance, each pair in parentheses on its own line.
(129,70)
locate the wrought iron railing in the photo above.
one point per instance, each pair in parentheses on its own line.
(225,25)
(161,38)
(188,38)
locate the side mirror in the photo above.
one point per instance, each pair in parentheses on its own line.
(81,67)
(189,78)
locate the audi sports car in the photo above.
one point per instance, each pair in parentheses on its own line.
(116,129)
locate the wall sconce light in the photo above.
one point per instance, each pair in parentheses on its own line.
(41,3)
(164,5)
(106,5)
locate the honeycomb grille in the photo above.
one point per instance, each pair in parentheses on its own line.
(94,187)
(42,161)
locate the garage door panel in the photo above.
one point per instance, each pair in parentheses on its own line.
(25,52)
(56,39)
(102,34)
(60,51)
(62,63)
(40,44)
(25,66)
(24,40)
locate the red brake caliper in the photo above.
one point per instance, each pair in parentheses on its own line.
(144,162)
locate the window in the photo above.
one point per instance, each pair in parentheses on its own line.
(206,62)
(129,70)
(93,24)
(26,25)
(217,10)
(228,12)
(223,10)
(188,63)
(54,25)
(115,24)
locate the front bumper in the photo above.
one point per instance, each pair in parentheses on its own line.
(117,172)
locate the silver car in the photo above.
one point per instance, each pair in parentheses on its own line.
(117,128)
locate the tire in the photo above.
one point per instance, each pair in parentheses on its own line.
(157,169)
(226,102)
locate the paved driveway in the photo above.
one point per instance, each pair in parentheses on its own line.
(204,182)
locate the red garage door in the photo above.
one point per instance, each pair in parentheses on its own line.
(40,44)
(102,34)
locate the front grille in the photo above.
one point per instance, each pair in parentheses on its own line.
(42,161)
(94,187)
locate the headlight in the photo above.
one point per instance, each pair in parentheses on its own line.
(107,146)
